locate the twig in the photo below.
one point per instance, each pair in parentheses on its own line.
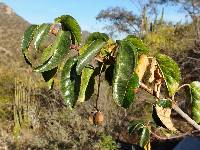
(185,116)
(184,85)
(175,136)
(194,58)
(196,69)
(175,107)
(146,88)
(98,87)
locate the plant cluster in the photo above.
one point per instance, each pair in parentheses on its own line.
(126,61)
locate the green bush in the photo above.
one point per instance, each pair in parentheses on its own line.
(107,143)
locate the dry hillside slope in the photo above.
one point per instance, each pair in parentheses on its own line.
(12,27)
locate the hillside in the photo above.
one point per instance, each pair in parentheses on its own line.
(12,27)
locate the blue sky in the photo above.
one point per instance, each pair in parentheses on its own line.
(85,11)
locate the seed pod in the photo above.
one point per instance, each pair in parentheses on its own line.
(99,118)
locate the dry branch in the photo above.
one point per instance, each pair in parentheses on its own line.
(175,107)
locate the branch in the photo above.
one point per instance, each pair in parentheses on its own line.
(175,107)
(193,58)
(175,136)
(98,89)
(185,116)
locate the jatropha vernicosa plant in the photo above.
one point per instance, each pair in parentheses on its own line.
(52,45)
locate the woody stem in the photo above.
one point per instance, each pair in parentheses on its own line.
(98,89)
(174,107)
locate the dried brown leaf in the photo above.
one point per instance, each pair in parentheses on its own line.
(142,66)
(164,115)
(152,70)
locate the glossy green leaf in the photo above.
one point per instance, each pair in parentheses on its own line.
(93,37)
(170,72)
(195,95)
(85,78)
(138,43)
(40,34)
(89,54)
(165,103)
(123,72)
(135,126)
(46,54)
(133,83)
(26,41)
(145,137)
(83,48)
(60,48)
(70,24)
(69,82)
(97,36)
(134,49)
